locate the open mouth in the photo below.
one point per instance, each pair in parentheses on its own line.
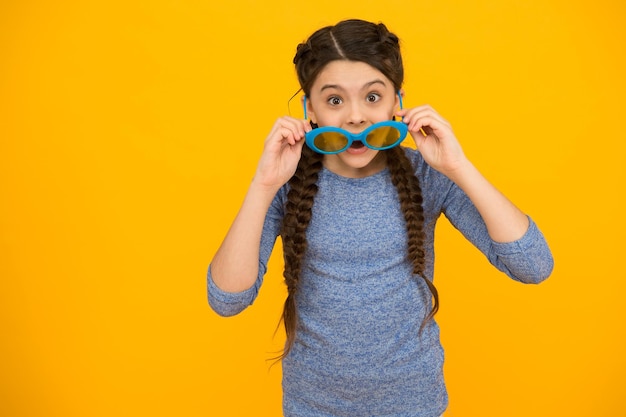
(357,144)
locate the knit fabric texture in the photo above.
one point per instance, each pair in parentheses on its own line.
(358,348)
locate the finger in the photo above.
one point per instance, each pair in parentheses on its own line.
(420,117)
(301,127)
(413,110)
(287,129)
(288,135)
(421,111)
(417,122)
(306,125)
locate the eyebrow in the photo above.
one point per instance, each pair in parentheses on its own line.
(365,86)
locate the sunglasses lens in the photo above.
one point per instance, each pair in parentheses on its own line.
(330,141)
(383,137)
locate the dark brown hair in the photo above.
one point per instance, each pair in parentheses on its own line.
(353,40)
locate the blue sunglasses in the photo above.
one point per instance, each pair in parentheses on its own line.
(379,136)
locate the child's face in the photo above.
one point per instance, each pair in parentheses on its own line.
(353,96)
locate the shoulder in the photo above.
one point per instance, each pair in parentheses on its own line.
(414,156)
(421,169)
(434,185)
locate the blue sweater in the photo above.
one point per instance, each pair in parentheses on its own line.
(358,350)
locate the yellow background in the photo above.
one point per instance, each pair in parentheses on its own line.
(129,131)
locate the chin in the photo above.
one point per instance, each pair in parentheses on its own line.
(356,163)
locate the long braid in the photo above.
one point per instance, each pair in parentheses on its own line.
(303,188)
(352,40)
(410,195)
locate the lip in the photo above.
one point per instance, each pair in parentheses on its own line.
(357,151)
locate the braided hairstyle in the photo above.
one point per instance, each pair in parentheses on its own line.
(353,40)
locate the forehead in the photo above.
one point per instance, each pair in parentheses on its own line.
(349,76)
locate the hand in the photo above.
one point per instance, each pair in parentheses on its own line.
(281,152)
(434,139)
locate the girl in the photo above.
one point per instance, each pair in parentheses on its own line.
(357,214)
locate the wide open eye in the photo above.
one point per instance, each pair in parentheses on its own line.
(372,97)
(334,101)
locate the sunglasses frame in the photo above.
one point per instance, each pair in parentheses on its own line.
(361,137)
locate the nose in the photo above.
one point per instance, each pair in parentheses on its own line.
(356,116)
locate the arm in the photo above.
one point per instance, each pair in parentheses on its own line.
(230,301)
(510,240)
(527,259)
(441,150)
(235,266)
(504,221)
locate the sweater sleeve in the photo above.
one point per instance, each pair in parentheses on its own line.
(231,303)
(528,259)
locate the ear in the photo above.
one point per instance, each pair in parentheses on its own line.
(399,98)
(308,110)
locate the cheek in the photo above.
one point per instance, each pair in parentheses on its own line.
(329,119)
(390,111)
